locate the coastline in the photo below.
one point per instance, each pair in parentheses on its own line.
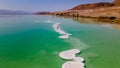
(92,21)
(101,19)
(107,12)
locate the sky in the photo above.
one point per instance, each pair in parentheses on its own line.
(44,5)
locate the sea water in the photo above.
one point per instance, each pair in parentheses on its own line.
(32,42)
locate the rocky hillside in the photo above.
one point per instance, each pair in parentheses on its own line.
(103,11)
(93,6)
(117,2)
(97,5)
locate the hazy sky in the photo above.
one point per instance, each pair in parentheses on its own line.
(43,5)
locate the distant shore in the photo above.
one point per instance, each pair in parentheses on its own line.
(98,12)
(95,20)
(100,18)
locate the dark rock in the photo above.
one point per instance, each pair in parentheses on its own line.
(42,13)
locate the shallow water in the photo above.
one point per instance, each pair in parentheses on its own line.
(31,42)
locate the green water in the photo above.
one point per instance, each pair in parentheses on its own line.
(31,42)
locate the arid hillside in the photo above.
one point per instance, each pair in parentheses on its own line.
(117,2)
(103,11)
(93,6)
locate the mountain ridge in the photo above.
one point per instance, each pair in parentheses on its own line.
(14,12)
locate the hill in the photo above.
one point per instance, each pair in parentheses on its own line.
(117,2)
(93,6)
(103,11)
(11,12)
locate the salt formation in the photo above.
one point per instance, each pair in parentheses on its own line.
(57,28)
(77,62)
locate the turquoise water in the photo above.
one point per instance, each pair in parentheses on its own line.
(31,42)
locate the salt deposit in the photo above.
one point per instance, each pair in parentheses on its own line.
(64,35)
(77,62)
(69,54)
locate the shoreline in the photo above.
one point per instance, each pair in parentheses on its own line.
(108,14)
(98,20)
(92,21)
